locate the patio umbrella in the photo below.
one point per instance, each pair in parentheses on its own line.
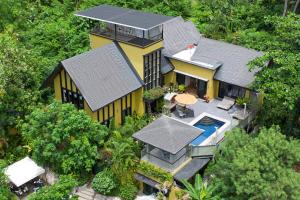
(185,99)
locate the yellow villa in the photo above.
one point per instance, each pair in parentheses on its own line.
(133,52)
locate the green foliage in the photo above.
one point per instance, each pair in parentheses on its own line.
(261,167)
(63,138)
(104,182)
(134,123)
(181,88)
(124,156)
(153,94)
(60,190)
(128,192)
(241,101)
(198,191)
(5,193)
(18,83)
(154,172)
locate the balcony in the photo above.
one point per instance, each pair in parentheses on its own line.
(128,35)
(165,160)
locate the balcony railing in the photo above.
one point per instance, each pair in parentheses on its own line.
(203,151)
(126,36)
(164,163)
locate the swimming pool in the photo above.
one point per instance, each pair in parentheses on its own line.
(209,126)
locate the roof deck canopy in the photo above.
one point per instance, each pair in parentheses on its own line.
(168,134)
(124,17)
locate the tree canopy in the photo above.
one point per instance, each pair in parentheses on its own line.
(257,167)
(63,138)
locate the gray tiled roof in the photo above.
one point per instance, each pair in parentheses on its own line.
(166,65)
(189,170)
(168,134)
(102,75)
(234,60)
(178,34)
(124,16)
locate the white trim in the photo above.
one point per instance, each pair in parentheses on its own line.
(221,130)
(193,76)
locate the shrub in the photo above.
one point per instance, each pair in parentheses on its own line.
(60,190)
(240,101)
(154,172)
(181,88)
(128,192)
(153,94)
(104,182)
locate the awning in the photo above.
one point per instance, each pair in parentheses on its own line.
(23,171)
(147,180)
(191,169)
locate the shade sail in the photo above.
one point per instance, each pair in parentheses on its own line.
(23,171)
(185,99)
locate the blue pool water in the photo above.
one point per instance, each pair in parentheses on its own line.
(209,126)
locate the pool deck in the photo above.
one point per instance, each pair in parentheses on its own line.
(211,108)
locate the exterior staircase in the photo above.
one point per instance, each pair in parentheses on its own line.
(85,193)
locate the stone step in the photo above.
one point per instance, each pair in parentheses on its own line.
(87,192)
(84,196)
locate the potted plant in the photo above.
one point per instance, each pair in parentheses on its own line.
(241,101)
(181,88)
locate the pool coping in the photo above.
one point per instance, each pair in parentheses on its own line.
(221,130)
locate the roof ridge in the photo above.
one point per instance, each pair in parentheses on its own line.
(128,62)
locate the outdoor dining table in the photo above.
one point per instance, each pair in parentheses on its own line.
(185,99)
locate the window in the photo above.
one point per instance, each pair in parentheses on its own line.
(152,66)
(229,90)
(75,98)
(106,122)
(125,112)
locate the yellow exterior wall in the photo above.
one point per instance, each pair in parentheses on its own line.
(170,78)
(97,41)
(216,88)
(197,71)
(135,55)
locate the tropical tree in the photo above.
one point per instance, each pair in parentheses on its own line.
(257,167)
(63,138)
(200,190)
(124,156)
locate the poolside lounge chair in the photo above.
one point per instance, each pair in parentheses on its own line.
(226,103)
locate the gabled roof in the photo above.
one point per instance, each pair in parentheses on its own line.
(178,34)
(102,75)
(168,134)
(124,16)
(234,60)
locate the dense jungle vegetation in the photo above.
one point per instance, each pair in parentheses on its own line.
(36,34)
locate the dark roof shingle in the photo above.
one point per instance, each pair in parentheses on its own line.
(234,60)
(102,75)
(168,134)
(124,16)
(178,34)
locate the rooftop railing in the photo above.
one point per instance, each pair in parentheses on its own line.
(136,37)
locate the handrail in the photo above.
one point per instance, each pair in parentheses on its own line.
(203,151)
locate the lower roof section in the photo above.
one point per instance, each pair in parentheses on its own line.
(148,181)
(191,169)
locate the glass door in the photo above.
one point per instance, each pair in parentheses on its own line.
(202,88)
